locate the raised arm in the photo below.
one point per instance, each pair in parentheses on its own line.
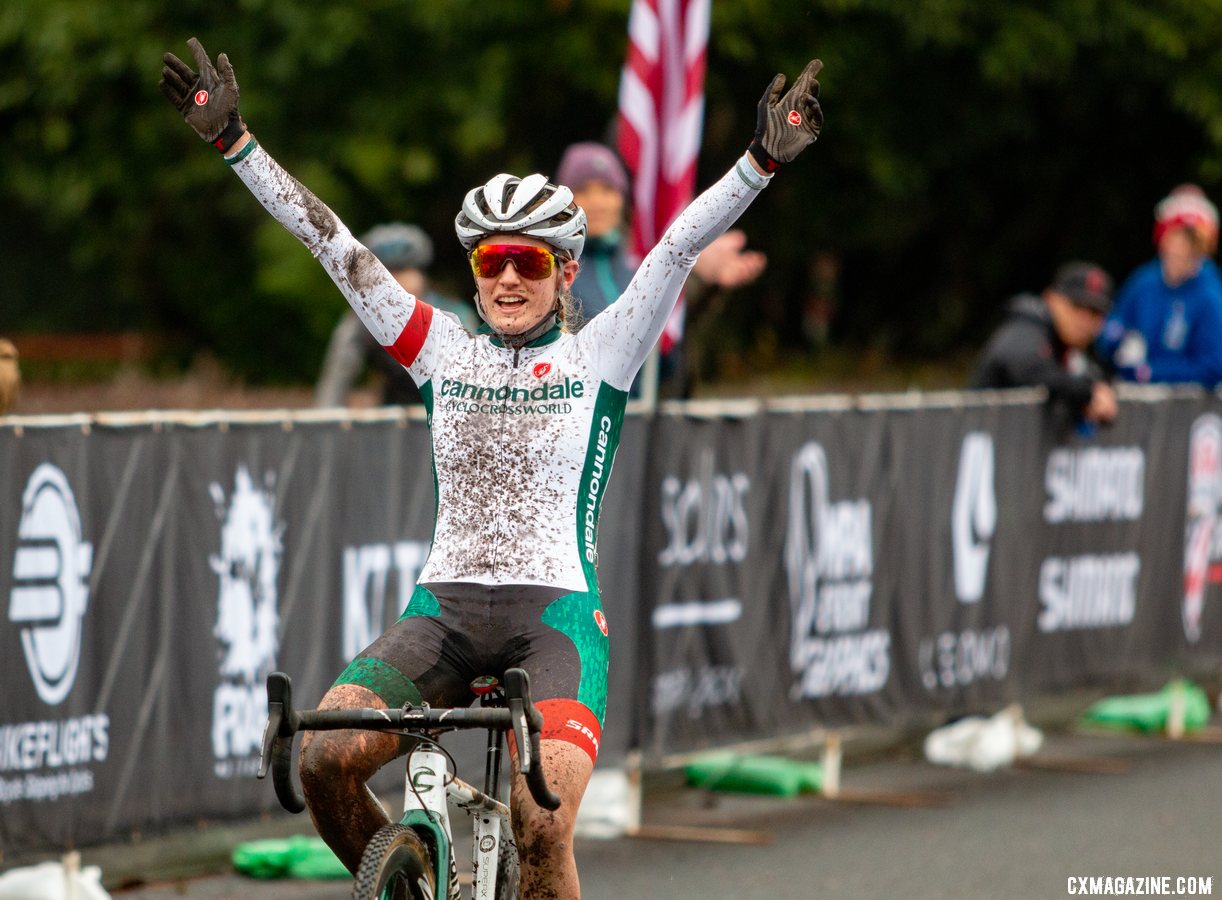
(208,101)
(621,337)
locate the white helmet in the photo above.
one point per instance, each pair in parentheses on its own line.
(532,206)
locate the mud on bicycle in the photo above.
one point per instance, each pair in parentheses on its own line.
(414,859)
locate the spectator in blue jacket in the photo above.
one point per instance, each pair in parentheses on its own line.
(1166,325)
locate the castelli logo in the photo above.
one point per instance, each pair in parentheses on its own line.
(601,621)
(201,97)
(542,369)
(795,118)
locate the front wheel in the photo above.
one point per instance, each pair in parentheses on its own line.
(508,869)
(396,865)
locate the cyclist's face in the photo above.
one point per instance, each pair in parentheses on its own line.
(515,304)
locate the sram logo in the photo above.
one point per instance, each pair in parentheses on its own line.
(584,730)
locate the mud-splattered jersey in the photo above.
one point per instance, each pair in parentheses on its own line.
(523,440)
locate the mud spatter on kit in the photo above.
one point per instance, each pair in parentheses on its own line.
(362,269)
(499,485)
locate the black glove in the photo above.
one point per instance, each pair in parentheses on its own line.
(209,100)
(785,126)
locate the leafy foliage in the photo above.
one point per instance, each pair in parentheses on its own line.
(968,149)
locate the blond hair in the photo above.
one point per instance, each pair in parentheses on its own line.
(10,376)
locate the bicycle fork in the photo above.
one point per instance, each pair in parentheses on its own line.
(425,810)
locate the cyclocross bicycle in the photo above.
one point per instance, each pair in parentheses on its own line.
(415,859)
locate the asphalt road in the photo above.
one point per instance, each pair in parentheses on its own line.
(1145,807)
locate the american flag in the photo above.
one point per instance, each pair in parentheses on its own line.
(661,108)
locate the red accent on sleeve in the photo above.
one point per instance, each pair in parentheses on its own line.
(407,345)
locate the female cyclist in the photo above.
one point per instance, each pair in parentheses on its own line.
(525,420)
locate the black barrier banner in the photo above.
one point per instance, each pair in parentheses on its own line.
(762,574)
(153,577)
(842,565)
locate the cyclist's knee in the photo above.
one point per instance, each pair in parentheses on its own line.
(333,761)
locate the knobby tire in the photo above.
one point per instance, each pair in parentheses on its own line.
(396,865)
(508,868)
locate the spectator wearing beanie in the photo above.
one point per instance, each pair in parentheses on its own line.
(600,186)
(1167,322)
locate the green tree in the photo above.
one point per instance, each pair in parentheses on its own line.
(968,149)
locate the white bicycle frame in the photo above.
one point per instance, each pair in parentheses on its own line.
(428,787)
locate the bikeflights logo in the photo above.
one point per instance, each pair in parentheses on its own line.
(47,603)
(829,560)
(247,620)
(1202,536)
(50,583)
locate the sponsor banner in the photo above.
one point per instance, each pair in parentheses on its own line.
(761,575)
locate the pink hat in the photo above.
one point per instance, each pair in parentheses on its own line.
(588,161)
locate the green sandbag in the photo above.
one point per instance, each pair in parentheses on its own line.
(1150,712)
(754,774)
(294,857)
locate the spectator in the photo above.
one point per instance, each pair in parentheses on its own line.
(600,186)
(407,252)
(10,376)
(1045,339)
(1167,324)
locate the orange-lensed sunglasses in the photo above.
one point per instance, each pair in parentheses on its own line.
(534,263)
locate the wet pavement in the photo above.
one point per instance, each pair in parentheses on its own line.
(1087,805)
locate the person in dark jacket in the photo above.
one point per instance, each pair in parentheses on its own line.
(1044,342)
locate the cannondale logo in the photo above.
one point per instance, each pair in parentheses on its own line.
(973,516)
(50,582)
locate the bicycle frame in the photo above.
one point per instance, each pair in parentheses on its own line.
(427,787)
(425,808)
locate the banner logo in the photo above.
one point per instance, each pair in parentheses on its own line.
(1201,532)
(973,516)
(377,576)
(50,583)
(247,619)
(829,558)
(705,517)
(50,760)
(1093,590)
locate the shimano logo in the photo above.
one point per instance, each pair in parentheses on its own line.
(50,583)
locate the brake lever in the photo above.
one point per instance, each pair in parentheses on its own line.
(277,749)
(527,725)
